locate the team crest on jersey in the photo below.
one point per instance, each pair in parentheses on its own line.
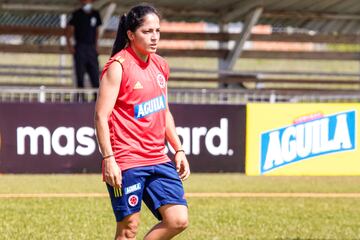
(133,200)
(161,80)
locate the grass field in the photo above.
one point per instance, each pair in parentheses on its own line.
(89,216)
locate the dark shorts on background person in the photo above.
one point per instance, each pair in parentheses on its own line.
(86,61)
(156,185)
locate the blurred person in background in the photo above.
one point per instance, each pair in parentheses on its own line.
(133,120)
(83,26)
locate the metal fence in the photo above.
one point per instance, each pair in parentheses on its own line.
(193,96)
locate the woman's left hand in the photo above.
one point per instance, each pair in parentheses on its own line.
(182,165)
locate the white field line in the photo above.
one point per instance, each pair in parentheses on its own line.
(190,195)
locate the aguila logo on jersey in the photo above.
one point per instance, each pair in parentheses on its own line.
(161,80)
(308,137)
(149,107)
(133,188)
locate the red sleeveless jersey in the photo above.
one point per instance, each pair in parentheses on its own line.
(138,120)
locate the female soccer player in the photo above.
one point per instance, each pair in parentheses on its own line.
(132,120)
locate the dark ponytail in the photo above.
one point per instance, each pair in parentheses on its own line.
(131,21)
(121,36)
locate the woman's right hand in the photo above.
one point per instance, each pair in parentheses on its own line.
(112,172)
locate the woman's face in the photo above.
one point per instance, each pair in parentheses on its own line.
(145,39)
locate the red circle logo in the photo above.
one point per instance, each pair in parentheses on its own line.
(133,200)
(161,80)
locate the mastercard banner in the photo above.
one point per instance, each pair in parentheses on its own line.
(60,137)
(302,139)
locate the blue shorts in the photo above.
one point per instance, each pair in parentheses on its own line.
(156,185)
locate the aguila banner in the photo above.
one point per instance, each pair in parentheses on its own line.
(302,139)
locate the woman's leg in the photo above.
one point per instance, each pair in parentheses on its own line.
(174,221)
(128,227)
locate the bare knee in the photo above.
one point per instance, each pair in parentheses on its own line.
(182,223)
(179,223)
(127,229)
(175,217)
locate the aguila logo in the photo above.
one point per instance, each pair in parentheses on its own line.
(309,137)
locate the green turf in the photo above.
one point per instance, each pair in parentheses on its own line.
(229,218)
(263,218)
(210,218)
(52,183)
(231,182)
